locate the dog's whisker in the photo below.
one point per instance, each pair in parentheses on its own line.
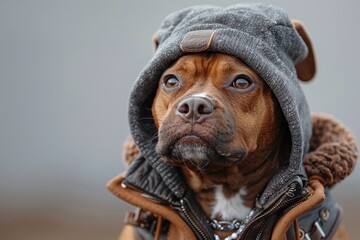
(150,142)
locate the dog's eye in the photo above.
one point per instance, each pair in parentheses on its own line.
(241,82)
(171,82)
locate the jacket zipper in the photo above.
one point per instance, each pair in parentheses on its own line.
(305,197)
(258,218)
(192,220)
(184,208)
(282,201)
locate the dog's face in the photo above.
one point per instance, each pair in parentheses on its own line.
(212,111)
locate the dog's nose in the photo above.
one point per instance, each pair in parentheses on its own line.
(195,109)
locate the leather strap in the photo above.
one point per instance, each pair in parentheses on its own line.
(285,221)
(322,221)
(318,217)
(154,225)
(147,221)
(158,228)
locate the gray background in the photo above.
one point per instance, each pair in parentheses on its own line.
(66,68)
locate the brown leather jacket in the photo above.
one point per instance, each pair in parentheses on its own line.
(286,226)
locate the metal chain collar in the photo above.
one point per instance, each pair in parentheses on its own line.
(236,224)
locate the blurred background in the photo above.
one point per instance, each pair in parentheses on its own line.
(66,68)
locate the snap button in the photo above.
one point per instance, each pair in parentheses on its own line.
(302,234)
(324,214)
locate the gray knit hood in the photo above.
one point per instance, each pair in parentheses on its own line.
(260,35)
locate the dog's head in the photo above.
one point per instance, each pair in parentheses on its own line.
(211,109)
(218,87)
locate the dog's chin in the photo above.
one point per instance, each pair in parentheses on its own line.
(199,155)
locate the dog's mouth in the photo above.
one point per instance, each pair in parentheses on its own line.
(199,154)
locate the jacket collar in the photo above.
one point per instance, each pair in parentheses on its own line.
(156,178)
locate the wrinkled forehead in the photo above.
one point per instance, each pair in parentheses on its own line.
(191,62)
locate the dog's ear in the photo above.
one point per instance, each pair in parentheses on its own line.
(155,41)
(305,69)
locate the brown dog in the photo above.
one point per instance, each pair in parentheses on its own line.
(220,122)
(194,109)
(219,125)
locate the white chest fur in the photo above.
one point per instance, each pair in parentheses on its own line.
(229,208)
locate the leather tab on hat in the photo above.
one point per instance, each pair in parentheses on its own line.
(197,41)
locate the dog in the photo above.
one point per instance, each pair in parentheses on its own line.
(207,95)
(229,129)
